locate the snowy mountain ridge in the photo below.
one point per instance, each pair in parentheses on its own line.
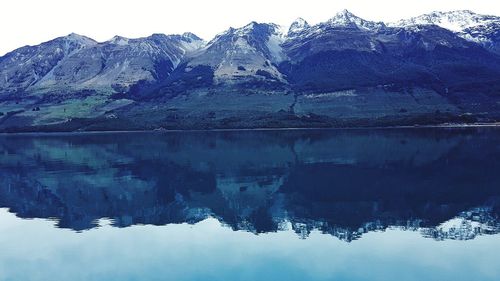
(241,52)
(456,21)
(235,53)
(348,19)
(297,26)
(481,29)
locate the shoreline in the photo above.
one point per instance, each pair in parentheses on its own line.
(159,131)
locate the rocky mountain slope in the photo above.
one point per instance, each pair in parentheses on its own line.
(26,66)
(347,71)
(76,62)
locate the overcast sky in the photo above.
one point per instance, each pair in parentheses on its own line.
(29,22)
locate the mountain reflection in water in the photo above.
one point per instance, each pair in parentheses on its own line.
(443,183)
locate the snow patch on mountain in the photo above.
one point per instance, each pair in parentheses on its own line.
(455,21)
(297,27)
(246,52)
(348,19)
(80,39)
(481,29)
(118,40)
(274,44)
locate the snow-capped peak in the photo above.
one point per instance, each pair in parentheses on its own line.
(345,14)
(297,26)
(345,18)
(455,20)
(191,36)
(342,18)
(119,40)
(247,28)
(252,28)
(77,38)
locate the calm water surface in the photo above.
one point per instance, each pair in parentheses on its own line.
(399,204)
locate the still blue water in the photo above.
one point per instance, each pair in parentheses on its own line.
(398,204)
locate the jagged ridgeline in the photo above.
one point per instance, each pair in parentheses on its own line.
(347,71)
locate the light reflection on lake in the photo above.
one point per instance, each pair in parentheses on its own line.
(416,204)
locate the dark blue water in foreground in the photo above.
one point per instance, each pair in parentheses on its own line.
(405,204)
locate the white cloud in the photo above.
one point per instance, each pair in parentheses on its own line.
(33,21)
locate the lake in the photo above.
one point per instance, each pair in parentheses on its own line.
(374,204)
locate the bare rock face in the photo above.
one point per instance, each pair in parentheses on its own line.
(26,66)
(252,51)
(75,62)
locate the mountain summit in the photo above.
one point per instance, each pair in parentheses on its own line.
(297,26)
(348,19)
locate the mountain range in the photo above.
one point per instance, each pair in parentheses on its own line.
(435,68)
